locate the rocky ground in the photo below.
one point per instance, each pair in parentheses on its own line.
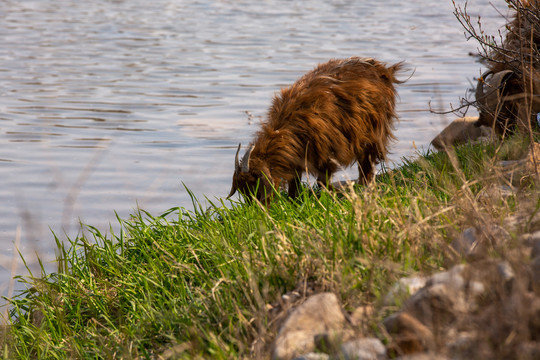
(485,306)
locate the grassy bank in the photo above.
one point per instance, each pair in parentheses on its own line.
(207,283)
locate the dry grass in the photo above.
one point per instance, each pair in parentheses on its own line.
(211,282)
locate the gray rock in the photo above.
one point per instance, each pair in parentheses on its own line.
(531,238)
(511,164)
(473,243)
(319,314)
(437,306)
(361,315)
(534,318)
(506,274)
(290,297)
(175,352)
(467,345)
(535,248)
(313,356)
(445,296)
(328,343)
(497,234)
(467,243)
(528,351)
(423,356)
(453,277)
(363,349)
(535,274)
(408,334)
(403,289)
(497,191)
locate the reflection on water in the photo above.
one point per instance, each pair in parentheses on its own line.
(110,105)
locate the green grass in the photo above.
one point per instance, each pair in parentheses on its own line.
(206,281)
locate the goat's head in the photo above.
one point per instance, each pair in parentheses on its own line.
(490,96)
(251,180)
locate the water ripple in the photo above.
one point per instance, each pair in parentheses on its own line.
(115,104)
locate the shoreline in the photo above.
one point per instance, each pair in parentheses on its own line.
(220,282)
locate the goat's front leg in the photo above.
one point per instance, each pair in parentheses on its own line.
(295,184)
(366,170)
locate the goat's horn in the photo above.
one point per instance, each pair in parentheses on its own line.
(496,82)
(491,97)
(233,190)
(480,94)
(236,163)
(245,159)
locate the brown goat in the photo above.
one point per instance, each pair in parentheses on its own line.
(338,113)
(508,93)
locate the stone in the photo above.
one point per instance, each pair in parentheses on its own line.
(328,343)
(497,234)
(452,277)
(532,240)
(408,334)
(319,314)
(446,295)
(523,171)
(363,349)
(497,191)
(535,274)
(459,132)
(506,274)
(403,289)
(423,356)
(473,243)
(313,356)
(455,278)
(534,318)
(293,343)
(467,345)
(511,164)
(175,352)
(361,315)
(529,350)
(467,244)
(290,297)
(535,249)
(437,306)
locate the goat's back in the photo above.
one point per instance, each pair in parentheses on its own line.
(338,110)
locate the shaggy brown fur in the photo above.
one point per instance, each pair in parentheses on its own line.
(338,113)
(518,96)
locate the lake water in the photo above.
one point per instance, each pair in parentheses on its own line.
(112,105)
